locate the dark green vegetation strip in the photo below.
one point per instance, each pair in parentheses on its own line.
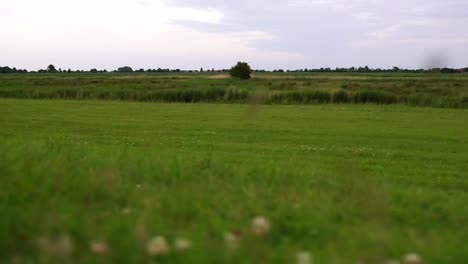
(348,183)
(434,90)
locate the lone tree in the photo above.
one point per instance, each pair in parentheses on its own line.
(242,70)
(51,68)
(125,69)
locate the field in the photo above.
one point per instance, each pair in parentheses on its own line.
(427,89)
(348,183)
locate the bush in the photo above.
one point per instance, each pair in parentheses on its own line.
(125,69)
(242,70)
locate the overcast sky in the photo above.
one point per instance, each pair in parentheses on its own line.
(190,34)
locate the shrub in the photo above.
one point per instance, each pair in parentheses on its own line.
(242,70)
(125,69)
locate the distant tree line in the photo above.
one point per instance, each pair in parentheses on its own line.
(126,69)
(366,69)
(11,70)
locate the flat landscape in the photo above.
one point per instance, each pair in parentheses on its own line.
(236,132)
(349,181)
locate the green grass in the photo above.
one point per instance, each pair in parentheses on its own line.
(434,90)
(350,184)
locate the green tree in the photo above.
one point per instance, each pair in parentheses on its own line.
(51,68)
(242,70)
(125,69)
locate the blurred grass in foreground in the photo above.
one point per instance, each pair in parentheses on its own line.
(346,183)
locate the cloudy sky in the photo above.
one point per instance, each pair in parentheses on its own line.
(190,34)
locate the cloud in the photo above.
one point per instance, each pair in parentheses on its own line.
(191,14)
(340,27)
(213,33)
(141,34)
(310,2)
(386,32)
(366,16)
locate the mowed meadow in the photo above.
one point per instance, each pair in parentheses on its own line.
(256,175)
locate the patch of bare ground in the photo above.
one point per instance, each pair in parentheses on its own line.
(219,76)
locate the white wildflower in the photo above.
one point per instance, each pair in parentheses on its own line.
(412,258)
(157,246)
(99,248)
(182,244)
(304,257)
(260,226)
(232,240)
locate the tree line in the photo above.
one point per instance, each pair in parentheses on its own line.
(366,69)
(11,70)
(126,69)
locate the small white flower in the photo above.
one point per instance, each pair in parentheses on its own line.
(182,244)
(303,257)
(232,240)
(260,226)
(412,258)
(157,246)
(99,248)
(126,211)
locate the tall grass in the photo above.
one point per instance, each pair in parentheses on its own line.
(180,95)
(301,97)
(232,95)
(378,97)
(433,92)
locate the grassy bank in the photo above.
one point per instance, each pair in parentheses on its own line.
(347,183)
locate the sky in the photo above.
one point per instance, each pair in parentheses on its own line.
(268,34)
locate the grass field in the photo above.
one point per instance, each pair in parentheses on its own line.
(428,89)
(348,183)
